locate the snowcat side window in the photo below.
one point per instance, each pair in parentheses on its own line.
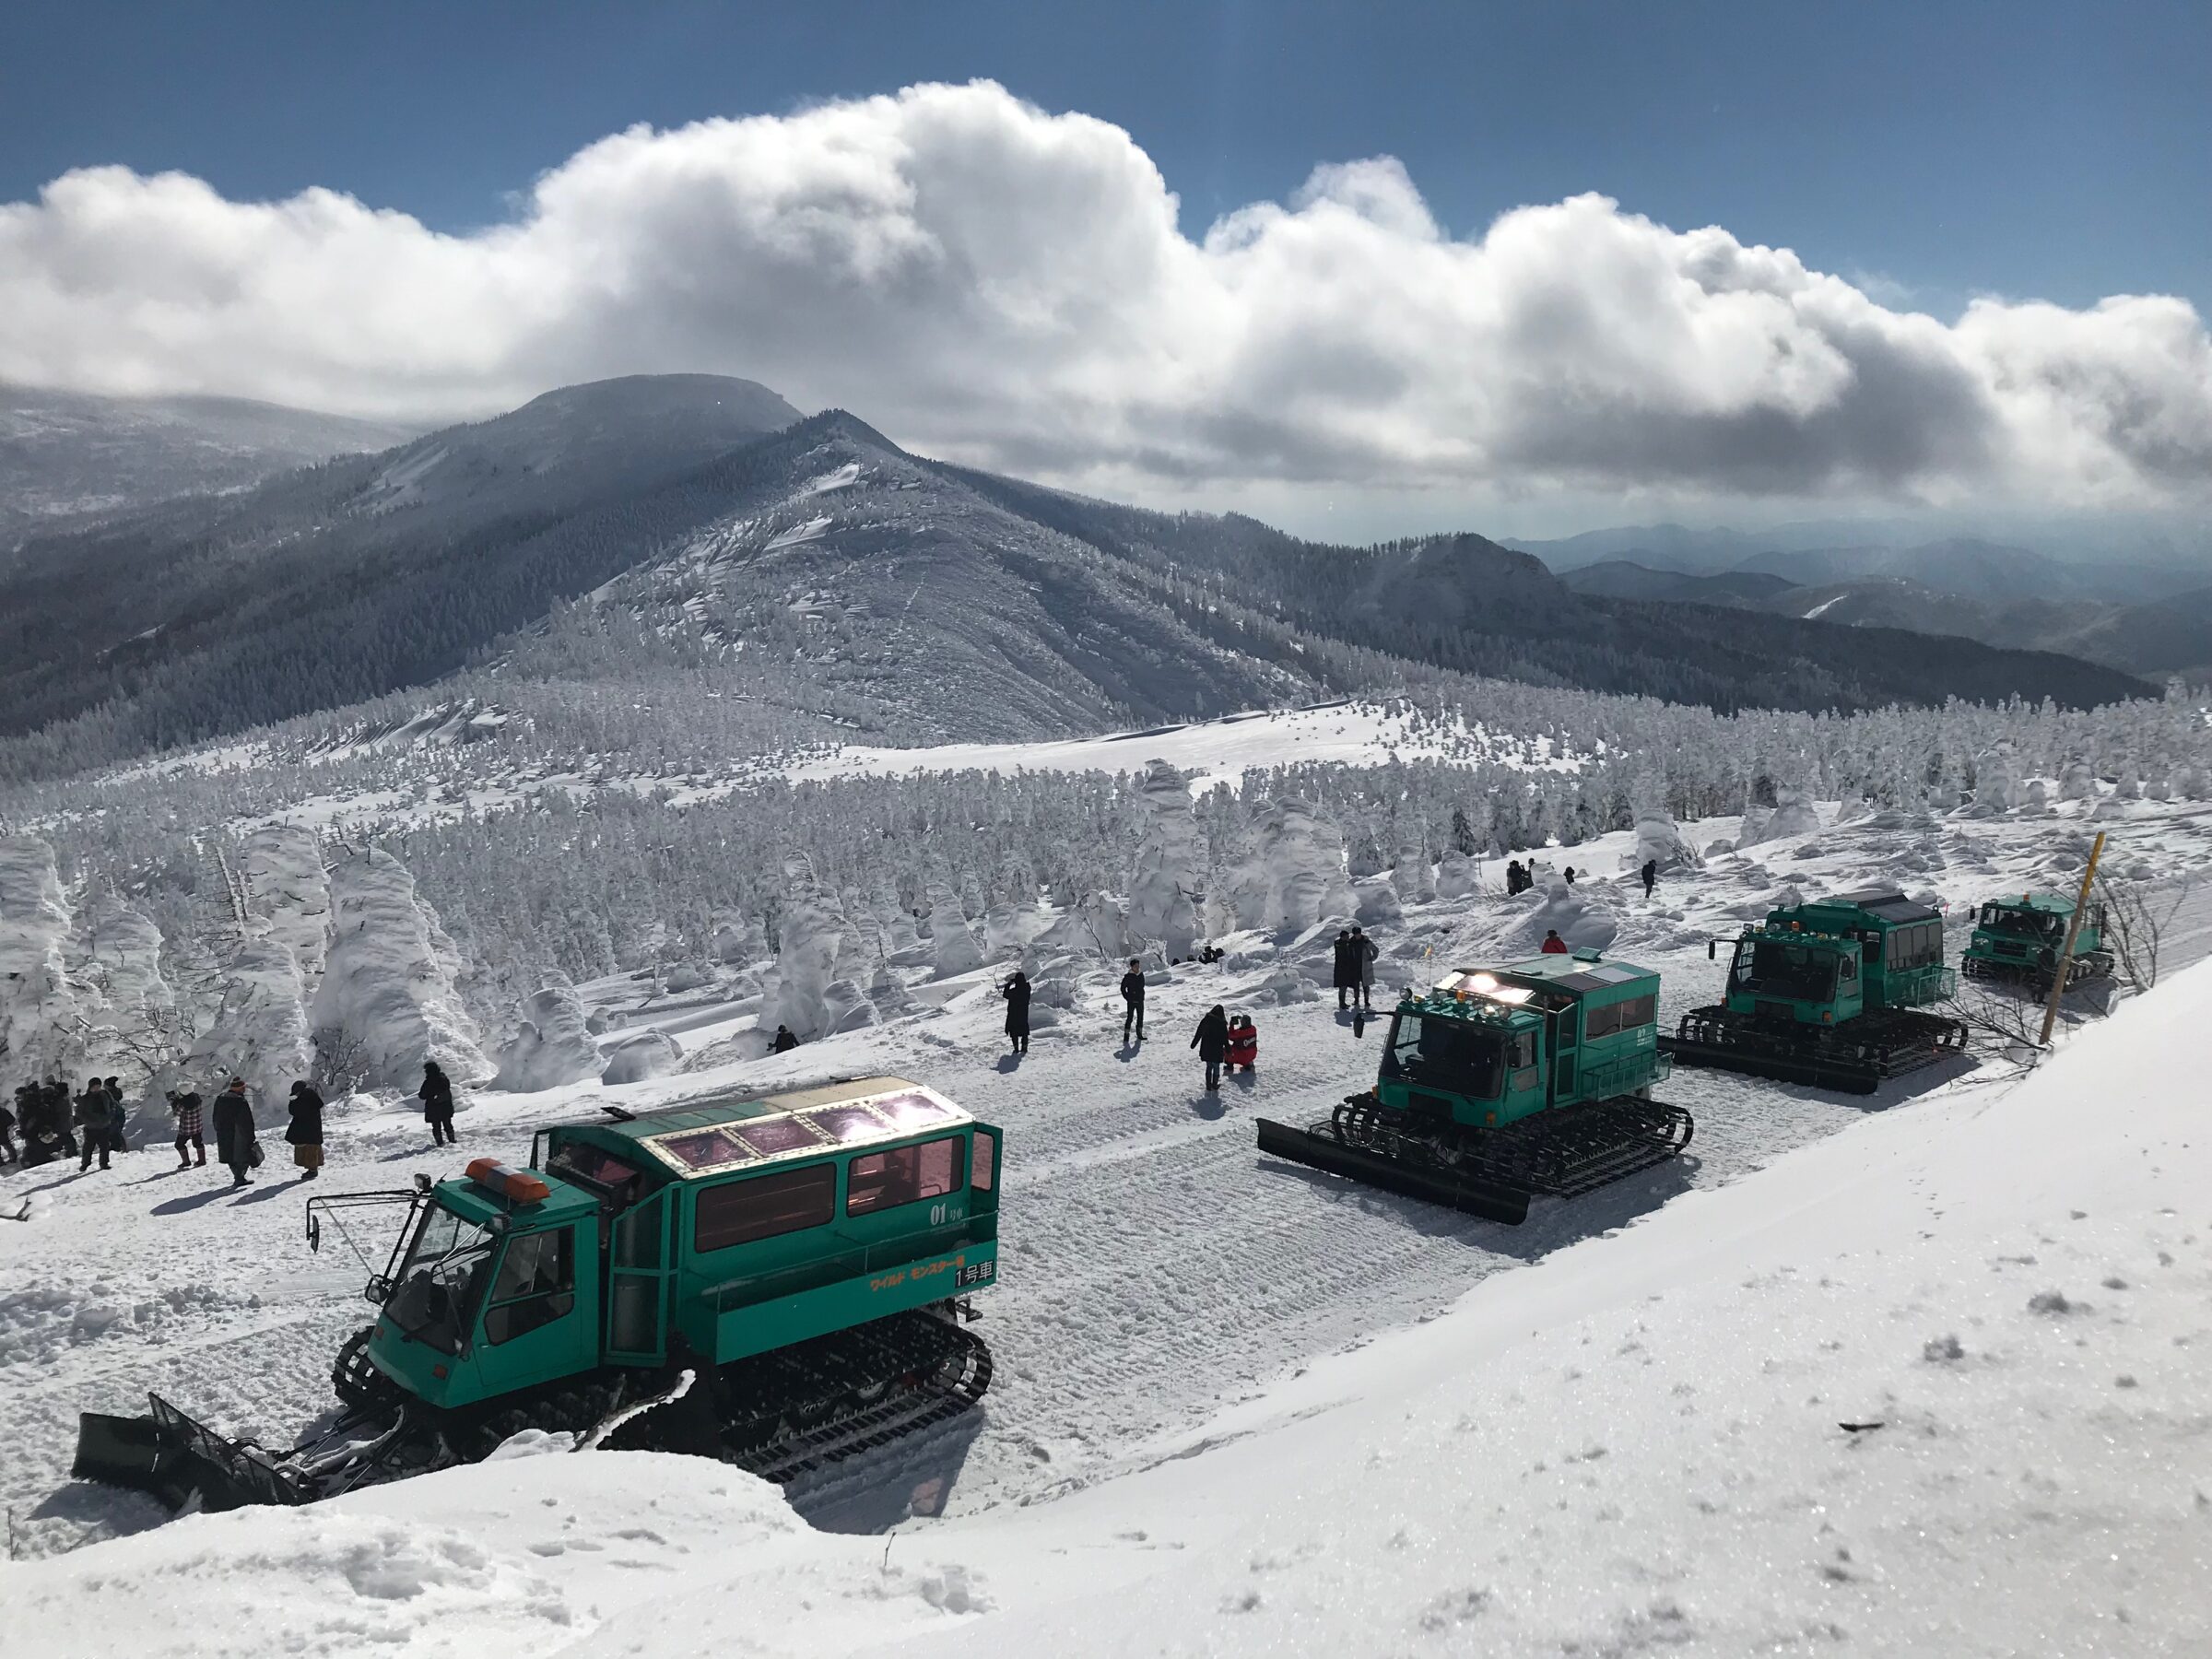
(1848,970)
(536,1285)
(983,1174)
(767,1206)
(1602,1022)
(1636,1011)
(881,1180)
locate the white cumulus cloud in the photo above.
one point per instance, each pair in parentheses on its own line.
(989,281)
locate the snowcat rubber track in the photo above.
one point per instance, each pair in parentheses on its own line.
(888,1384)
(1493,1172)
(1887,1046)
(2080,971)
(778,1416)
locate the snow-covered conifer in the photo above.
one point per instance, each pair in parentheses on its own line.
(388,999)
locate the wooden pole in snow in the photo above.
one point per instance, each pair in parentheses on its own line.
(2065,951)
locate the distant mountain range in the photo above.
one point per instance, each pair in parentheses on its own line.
(811,563)
(67,455)
(2153,620)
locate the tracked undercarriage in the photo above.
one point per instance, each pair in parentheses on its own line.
(779,1415)
(1853,1058)
(1488,1172)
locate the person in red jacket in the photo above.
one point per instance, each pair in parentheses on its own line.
(1243,1043)
(1553,944)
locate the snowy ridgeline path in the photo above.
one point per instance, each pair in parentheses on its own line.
(1157,1269)
(1936,1386)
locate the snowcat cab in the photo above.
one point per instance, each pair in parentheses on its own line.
(1500,1083)
(795,1269)
(1827,994)
(2020,939)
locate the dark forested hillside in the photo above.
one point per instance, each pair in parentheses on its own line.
(817,566)
(1466,604)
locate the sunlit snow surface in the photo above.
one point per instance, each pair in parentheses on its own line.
(1211,751)
(1235,1407)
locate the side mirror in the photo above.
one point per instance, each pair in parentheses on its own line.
(378,1290)
(1712,950)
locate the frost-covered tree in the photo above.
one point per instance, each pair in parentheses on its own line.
(551,1044)
(388,1000)
(258,1030)
(951,941)
(1165,881)
(282,870)
(137,1028)
(812,941)
(42,1026)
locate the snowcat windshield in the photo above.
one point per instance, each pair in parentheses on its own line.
(1445,1055)
(439,1284)
(1777,969)
(2029,925)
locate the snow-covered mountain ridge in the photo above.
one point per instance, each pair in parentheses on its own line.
(818,573)
(71,455)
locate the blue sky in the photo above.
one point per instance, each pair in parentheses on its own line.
(1467,333)
(2059,152)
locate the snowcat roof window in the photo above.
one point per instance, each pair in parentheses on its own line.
(1448,1055)
(439,1284)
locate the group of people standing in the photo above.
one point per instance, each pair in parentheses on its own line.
(92,1125)
(1221,1038)
(55,1123)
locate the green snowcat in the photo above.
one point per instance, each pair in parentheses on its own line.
(1829,993)
(778,1283)
(1501,1083)
(2020,939)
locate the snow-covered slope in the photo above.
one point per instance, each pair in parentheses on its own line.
(65,453)
(1932,1386)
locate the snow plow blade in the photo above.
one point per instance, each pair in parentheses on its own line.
(1844,1076)
(169,1456)
(1491,1200)
(125,1452)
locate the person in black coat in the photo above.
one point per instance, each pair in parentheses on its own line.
(1211,1040)
(784,1042)
(305,1131)
(1650,876)
(234,1130)
(1017,992)
(437,1093)
(1360,953)
(1133,1001)
(93,1111)
(1344,975)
